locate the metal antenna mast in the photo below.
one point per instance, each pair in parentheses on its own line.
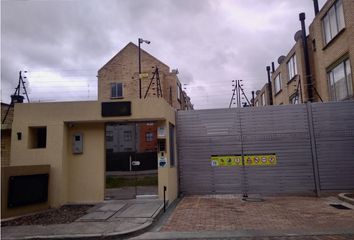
(155,75)
(17,97)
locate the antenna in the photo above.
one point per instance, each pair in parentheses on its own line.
(17,97)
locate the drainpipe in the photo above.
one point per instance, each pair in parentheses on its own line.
(315,6)
(270,86)
(306,56)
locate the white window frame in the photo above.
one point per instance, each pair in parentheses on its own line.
(344,68)
(292,67)
(294,99)
(333,22)
(277,83)
(178,92)
(115,91)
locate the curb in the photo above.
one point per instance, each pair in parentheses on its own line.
(111,235)
(344,198)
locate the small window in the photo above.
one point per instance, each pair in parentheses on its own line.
(178,91)
(37,137)
(340,81)
(333,21)
(127,136)
(149,137)
(292,68)
(277,83)
(116,90)
(294,99)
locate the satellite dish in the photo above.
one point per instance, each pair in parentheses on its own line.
(258,92)
(281,59)
(298,35)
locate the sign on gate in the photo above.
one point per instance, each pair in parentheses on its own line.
(249,160)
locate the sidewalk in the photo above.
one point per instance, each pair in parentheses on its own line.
(108,219)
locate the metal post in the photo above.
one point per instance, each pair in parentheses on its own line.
(313,149)
(139,68)
(253,98)
(164,198)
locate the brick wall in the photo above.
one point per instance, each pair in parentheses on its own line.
(325,56)
(123,67)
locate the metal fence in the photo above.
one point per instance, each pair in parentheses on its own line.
(313,144)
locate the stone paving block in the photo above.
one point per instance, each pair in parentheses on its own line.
(111,207)
(140,210)
(96,216)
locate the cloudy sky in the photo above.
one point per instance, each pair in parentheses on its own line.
(62,43)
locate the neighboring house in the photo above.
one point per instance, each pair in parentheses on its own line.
(119,78)
(331,59)
(262,97)
(6,133)
(74,138)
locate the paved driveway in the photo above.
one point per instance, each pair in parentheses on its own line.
(230,213)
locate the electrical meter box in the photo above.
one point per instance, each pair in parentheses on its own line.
(77,143)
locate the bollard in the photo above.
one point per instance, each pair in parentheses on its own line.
(164,198)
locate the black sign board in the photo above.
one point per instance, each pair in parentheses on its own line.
(114,109)
(27,189)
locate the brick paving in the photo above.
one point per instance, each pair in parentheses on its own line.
(215,213)
(325,237)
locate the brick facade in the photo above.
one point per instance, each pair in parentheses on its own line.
(6,134)
(322,57)
(123,68)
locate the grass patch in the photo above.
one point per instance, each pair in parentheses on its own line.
(118,182)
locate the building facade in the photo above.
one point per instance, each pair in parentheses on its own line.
(74,137)
(330,45)
(6,133)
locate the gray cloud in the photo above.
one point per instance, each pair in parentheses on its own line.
(210,42)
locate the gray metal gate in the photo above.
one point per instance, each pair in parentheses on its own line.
(299,135)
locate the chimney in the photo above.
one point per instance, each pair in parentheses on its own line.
(270,86)
(306,58)
(315,5)
(273,67)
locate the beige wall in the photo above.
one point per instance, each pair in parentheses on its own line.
(288,86)
(80,178)
(326,56)
(86,171)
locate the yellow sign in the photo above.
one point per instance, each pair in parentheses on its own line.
(226,161)
(143,75)
(249,160)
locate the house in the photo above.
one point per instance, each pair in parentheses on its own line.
(75,138)
(330,59)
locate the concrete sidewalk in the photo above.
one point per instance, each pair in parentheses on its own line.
(108,219)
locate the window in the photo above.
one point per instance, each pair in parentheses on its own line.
(149,137)
(263,99)
(37,137)
(292,69)
(340,81)
(257,103)
(333,21)
(116,90)
(294,99)
(178,91)
(109,136)
(277,83)
(127,136)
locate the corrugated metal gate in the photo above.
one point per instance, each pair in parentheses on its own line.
(314,145)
